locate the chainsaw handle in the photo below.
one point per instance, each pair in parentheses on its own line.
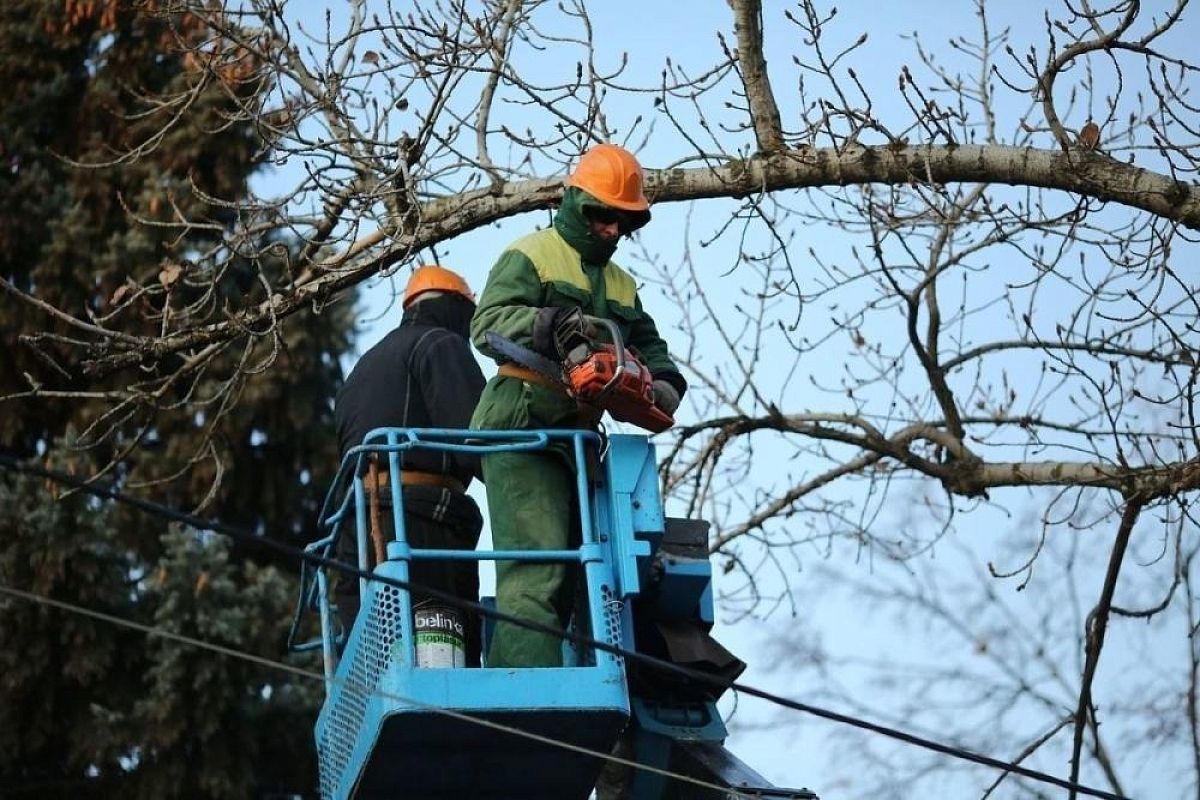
(618,345)
(614,331)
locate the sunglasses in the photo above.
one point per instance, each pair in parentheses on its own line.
(609,216)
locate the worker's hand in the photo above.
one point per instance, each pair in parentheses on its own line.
(572,328)
(557,329)
(665,396)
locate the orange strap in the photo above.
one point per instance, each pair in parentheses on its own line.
(377,544)
(416,477)
(510,369)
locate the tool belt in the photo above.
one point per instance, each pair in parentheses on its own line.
(415,477)
(377,481)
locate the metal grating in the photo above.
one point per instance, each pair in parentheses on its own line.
(612,618)
(381,636)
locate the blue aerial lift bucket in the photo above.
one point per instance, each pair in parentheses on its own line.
(390,728)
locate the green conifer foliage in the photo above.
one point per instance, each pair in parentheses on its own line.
(66,681)
(88,709)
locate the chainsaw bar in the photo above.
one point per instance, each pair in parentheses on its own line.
(522,355)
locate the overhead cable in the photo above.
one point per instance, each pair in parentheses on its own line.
(244,537)
(231,652)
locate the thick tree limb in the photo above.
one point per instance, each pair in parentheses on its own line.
(1092,175)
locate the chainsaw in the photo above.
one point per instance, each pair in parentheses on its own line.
(602,375)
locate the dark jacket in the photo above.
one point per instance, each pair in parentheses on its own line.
(421,375)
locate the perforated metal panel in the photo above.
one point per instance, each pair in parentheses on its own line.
(612,618)
(368,658)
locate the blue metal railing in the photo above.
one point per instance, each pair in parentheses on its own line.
(392,443)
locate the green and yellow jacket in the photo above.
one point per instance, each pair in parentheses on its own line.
(560,267)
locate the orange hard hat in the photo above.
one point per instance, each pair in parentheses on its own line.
(611,175)
(432,278)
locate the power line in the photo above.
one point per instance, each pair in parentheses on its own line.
(244,537)
(231,652)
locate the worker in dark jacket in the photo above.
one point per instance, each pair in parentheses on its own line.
(421,375)
(536,295)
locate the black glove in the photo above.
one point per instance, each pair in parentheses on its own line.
(556,331)
(665,395)
(571,330)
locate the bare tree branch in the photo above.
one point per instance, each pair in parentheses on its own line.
(1097,625)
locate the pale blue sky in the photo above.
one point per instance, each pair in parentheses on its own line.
(805,754)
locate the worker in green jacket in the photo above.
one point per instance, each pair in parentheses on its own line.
(536,295)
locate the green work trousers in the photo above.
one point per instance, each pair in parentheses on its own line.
(531,504)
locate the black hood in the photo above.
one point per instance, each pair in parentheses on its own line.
(450,311)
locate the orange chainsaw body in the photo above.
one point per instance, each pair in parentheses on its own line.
(598,377)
